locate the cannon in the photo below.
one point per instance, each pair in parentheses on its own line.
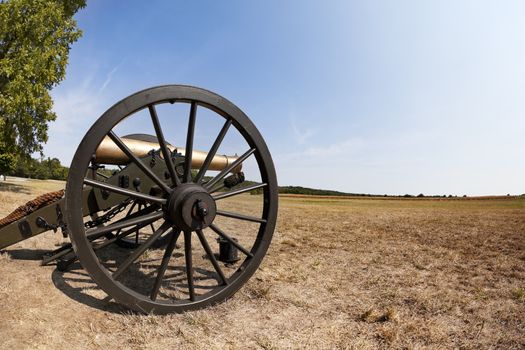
(162,228)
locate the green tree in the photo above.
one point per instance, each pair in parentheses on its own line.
(7,160)
(7,163)
(35,38)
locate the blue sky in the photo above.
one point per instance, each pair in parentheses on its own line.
(374,96)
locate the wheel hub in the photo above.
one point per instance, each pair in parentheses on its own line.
(190,207)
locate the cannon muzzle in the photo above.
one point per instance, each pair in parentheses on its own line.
(109,153)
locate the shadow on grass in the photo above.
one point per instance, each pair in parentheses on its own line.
(78,285)
(64,280)
(26,254)
(10,187)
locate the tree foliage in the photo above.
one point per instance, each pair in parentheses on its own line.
(7,160)
(35,38)
(44,169)
(7,163)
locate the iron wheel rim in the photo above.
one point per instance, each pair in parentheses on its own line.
(80,163)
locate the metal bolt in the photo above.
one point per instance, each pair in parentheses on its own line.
(202,208)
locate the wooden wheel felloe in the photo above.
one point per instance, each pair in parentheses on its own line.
(196,207)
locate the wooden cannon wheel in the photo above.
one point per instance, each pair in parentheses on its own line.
(194,207)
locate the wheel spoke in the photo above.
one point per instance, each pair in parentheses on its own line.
(144,219)
(118,236)
(138,162)
(64,250)
(141,249)
(211,256)
(164,264)
(131,209)
(123,191)
(68,248)
(96,247)
(229,168)
(231,240)
(102,175)
(189,142)
(163,146)
(238,191)
(139,212)
(218,188)
(212,151)
(189,263)
(138,230)
(240,216)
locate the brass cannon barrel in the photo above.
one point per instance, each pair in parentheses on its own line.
(109,153)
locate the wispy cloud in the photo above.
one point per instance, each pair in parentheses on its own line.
(109,77)
(301,135)
(77,106)
(317,164)
(346,147)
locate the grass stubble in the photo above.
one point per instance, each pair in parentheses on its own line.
(340,274)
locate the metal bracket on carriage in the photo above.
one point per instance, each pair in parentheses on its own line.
(42,223)
(61,223)
(153,155)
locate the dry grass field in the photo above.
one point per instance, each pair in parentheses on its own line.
(340,274)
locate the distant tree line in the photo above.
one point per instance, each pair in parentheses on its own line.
(316,192)
(41,169)
(319,192)
(312,191)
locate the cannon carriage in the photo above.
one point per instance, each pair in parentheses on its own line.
(161,228)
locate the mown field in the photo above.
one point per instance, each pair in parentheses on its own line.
(340,274)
